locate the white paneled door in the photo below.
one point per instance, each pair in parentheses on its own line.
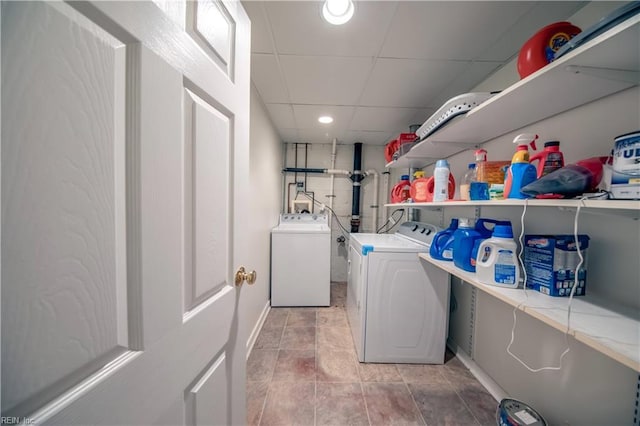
(125,147)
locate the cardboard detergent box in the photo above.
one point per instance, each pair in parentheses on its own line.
(551,261)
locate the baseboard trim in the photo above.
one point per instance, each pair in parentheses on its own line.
(256,329)
(494,389)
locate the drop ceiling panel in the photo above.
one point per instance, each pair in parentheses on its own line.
(319,135)
(383,119)
(325,79)
(449,30)
(368,137)
(307,117)
(540,15)
(267,78)
(289,135)
(260,32)
(391,58)
(421,115)
(296,23)
(282,115)
(470,78)
(409,82)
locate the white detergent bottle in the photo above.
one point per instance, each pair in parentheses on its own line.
(497,261)
(441,181)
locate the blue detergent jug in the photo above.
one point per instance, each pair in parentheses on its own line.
(442,243)
(464,239)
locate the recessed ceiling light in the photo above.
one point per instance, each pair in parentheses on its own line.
(325,119)
(337,12)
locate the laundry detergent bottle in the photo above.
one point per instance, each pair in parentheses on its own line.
(497,261)
(441,177)
(420,188)
(520,173)
(549,159)
(442,243)
(464,239)
(401,192)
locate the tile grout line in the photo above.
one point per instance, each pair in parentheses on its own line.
(315,375)
(415,404)
(464,402)
(264,403)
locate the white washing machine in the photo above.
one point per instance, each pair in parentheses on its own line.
(301,260)
(397,304)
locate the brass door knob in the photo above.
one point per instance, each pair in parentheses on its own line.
(242,275)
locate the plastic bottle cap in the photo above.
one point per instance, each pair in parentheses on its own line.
(419,174)
(472,165)
(552,143)
(503,231)
(481,155)
(442,163)
(464,222)
(404,177)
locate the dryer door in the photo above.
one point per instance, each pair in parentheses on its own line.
(407,308)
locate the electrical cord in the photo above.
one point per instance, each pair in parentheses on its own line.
(332,213)
(393,221)
(571,294)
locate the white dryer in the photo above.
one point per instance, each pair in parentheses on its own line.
(397,304)
(301,260)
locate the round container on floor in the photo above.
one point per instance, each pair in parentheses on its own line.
(512,412)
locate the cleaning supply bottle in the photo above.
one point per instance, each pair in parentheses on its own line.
(465,183)
(463,240)
(419,188)
(549,159)
(497,261)
(442,243)
(520,173)
(441,181)
(401,192)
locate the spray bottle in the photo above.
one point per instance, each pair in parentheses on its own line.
(520,173)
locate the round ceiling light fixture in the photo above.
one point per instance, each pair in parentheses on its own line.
(325,119)
(337,12)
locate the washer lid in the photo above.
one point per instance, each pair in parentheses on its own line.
(386,243)
(301,223)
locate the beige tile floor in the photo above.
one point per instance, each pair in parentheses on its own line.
(303,370)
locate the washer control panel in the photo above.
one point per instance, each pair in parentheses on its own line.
(304,218)
(418,231)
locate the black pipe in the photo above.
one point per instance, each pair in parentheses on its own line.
(302,170)
(306,155)
(295,164)
(356,177)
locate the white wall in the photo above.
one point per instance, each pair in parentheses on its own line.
(264,203)
(591,388)
(319,156)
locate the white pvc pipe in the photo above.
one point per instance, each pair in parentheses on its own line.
(385,191)
(338,172)
(375,206)
(331,186)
